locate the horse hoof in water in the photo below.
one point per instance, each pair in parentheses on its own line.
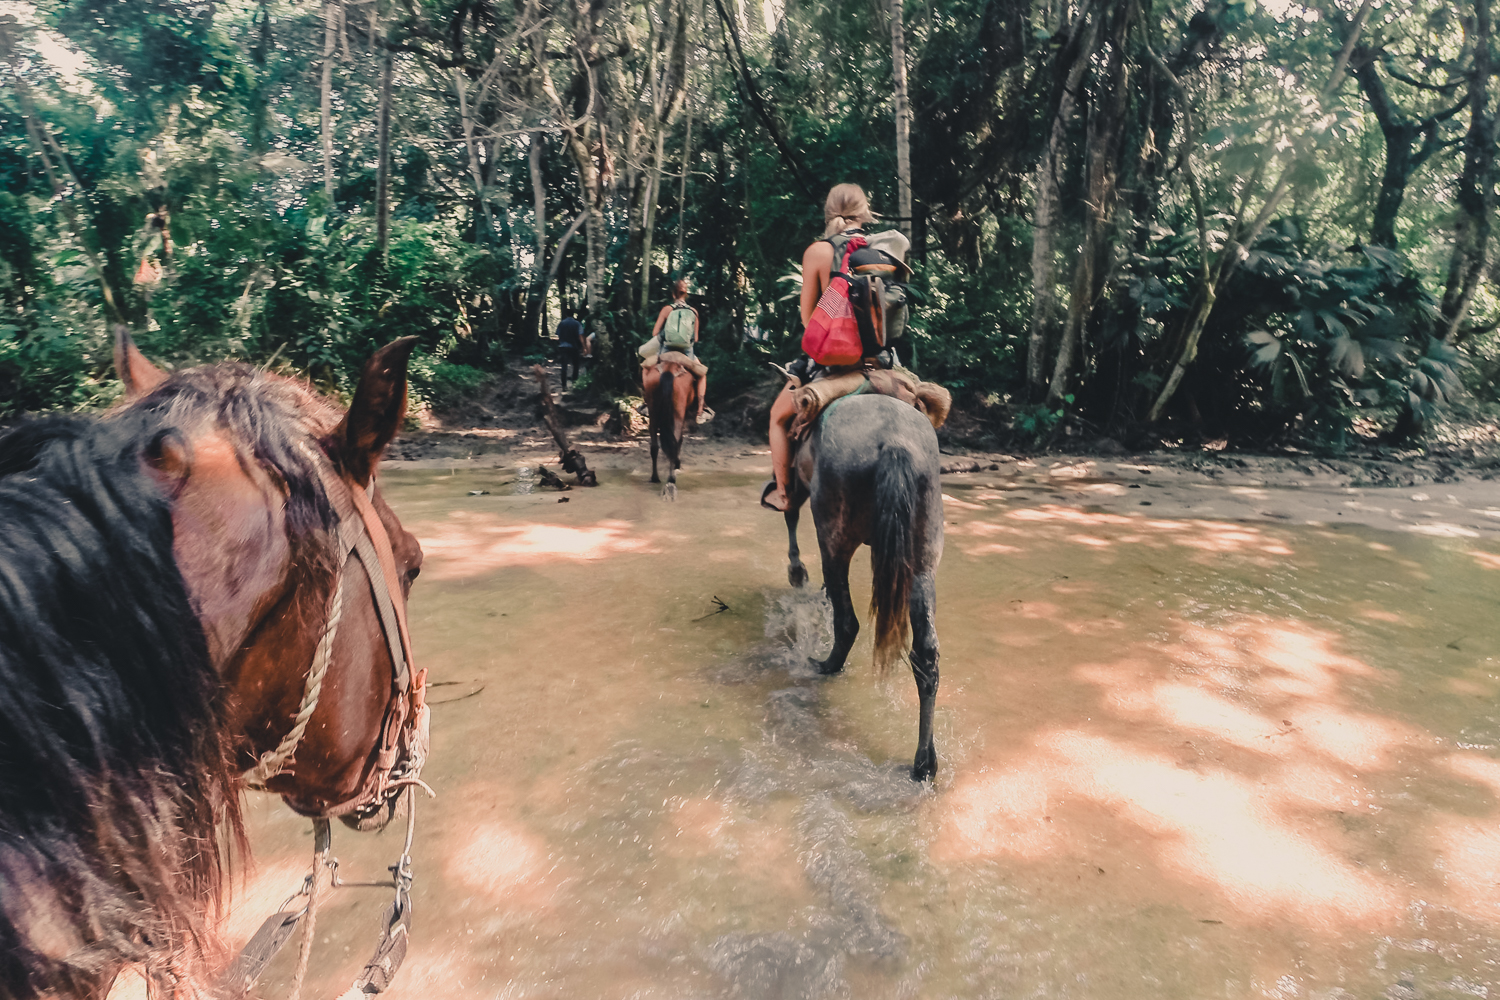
(669,493)
(925,767)
(827,668)
(796,575)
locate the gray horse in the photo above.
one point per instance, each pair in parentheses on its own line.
(870,468)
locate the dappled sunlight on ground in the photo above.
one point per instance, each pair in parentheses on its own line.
(1207,536)
(499,861)
(1248,765)
(1260,835)
(1489,560)
(470,544)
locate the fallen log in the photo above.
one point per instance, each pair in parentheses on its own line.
(572,460)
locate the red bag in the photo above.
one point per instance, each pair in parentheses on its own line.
(832,335)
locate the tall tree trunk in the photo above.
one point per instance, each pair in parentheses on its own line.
(903,118)
(383,165)
(1048,201)
(1400,135)
(536,305)
(578,138)
(471,145)
(687,151)
(1105,124)
(260,103)
(648,227)
(1476,186)
(667,80)
(330,40)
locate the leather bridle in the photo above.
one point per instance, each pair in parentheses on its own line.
(399,756)
(404,731)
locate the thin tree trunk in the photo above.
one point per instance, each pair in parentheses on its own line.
(666,79)
(1045,215)
(537,299)
(1476,187)
(383,166)
(330,40)
(903,118)
(576,136)
(687,152)
(774,128)
(648,229)
(1103,146)
(471,144)
(539,202)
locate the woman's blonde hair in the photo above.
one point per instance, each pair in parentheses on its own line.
(845,208)
(679,287)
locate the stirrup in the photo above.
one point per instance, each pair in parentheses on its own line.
(706,416)
(766,491)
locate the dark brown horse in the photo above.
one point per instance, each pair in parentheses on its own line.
(172,579)
(670,391)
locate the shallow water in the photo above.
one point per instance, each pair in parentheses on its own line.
(1179,759)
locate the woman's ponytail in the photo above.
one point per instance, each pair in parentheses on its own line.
(845,207)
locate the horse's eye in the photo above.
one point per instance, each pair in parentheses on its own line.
(413,573)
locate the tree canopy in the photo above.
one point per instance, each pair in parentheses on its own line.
(1204,219)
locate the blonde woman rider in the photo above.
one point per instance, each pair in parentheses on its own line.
(679,301)
(845,211)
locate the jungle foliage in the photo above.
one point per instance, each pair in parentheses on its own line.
(1263,222)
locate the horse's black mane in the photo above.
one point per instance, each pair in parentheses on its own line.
(115,775)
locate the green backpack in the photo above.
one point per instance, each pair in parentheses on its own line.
(677,333)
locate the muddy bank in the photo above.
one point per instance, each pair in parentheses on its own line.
(1426,493)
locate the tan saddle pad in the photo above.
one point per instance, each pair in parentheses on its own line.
(687,361)
(813,398)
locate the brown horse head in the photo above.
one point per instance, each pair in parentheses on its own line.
(267,480)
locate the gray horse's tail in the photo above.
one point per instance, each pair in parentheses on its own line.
(893,554)
(666,416)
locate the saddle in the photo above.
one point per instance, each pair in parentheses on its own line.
(688,361)
(812,399)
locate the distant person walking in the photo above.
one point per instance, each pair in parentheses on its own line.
(572,346)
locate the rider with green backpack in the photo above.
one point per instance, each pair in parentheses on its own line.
(677,329)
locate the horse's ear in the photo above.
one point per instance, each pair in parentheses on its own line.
(139,375)
(377,411)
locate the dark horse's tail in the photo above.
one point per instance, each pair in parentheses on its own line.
(666,417)
(893,555)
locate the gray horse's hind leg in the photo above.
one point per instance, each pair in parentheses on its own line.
(796,573)
(845,622)
(924,668)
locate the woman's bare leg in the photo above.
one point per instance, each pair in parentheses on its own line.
(782,412)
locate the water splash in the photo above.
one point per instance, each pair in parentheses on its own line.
(525,479)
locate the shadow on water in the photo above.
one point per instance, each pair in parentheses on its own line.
(1179,759)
